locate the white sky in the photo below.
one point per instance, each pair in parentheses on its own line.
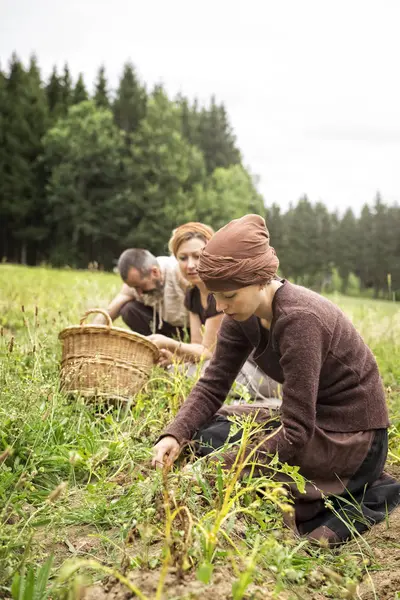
(312,87)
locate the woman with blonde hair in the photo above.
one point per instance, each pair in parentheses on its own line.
(186,244)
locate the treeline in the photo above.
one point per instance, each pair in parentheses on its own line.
(85,175)
(325,251)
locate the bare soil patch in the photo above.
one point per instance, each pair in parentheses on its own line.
(75,541)
(383,583)
(177,589)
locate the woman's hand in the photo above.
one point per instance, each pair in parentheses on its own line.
(165,452)
(166,358)
(161,341)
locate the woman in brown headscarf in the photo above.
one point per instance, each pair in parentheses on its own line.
(333,422)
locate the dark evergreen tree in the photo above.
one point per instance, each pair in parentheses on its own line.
(323,259)
(189,119)
(394,242)
(364,266)
(16,168)
(25,120)
(346,247)
(80,93)
(4,234)
(66,85)
(381,247)
(34,231)
(216,139)
(186,121)
(302,241)
(129,106)
(55,99)
(101,94)
(276,224)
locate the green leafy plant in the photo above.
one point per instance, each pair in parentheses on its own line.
(31,584)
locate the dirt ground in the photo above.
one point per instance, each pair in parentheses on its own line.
(189,588)
(382,582)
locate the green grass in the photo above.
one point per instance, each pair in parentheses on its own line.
(76,480)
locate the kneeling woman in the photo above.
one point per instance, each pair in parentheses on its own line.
(333,417)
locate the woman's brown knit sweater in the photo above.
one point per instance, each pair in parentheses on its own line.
(330,377)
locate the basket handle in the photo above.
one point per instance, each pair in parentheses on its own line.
(97,310)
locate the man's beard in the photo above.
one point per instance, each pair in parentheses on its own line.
(156,293)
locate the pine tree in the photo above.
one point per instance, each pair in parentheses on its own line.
(275,221)
(380,244)
(302,242)
(66,84)
(394,242)
(37,111)
(323,259)
(346,247)
(35,230)
(80,93)
(101,95)
(23,113)
(16,169)
(364,236)
(189,120)
(130,103)
(185,116)
(54,92)
(216,139)
(4,234)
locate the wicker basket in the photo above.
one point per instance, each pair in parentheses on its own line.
(104,361)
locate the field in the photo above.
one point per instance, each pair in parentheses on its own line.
(83,514)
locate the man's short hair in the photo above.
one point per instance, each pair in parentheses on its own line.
(140,259)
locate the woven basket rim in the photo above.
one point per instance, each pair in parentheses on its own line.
(114,331)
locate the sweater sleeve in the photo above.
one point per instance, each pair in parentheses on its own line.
(303,343)
(208,395)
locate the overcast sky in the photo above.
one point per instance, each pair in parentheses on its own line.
(312,87)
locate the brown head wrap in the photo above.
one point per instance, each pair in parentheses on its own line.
(187,232)
(238,255)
